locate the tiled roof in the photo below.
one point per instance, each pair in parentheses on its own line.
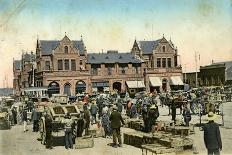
(148,46)
(17,64)
(48,45)
(98,58)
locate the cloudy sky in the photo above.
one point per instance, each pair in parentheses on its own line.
(202,26)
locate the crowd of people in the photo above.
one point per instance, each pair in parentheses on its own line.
(107,112)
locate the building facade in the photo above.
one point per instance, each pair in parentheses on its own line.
(16,71)
(65,67)
(163,71)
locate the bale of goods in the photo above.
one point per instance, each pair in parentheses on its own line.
(84,142)
(181,143)
(158,149)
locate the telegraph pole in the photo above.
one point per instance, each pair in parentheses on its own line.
(196,68)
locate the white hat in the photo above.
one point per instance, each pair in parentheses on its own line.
(153,107)
(115,107)
(211,116)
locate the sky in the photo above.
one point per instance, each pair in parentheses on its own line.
(194,26)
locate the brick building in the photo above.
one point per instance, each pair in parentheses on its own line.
(65,67)
(163,71)
(16,71)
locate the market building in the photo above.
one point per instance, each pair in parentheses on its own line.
(65,67)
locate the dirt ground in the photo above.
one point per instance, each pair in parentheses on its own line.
(16,142)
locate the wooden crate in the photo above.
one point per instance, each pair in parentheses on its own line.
(84,142)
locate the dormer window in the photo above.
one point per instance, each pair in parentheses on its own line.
(107,57)
(65,49)
(120,57)
(163,48)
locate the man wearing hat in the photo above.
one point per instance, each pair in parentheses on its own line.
(24,118)
(116,119)
(68,122)
(212,137)
(153,114)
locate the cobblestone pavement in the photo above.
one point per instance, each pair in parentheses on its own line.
(16,142)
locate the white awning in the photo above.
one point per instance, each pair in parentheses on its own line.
(135,84)
(155,81)
(176,80)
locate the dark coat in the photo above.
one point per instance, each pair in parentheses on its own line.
(212,137)
(35,116)
(48,123)
(24,115)
(87,116)
(116,119)
(93,109)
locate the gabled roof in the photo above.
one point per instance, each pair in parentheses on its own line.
(148,46)
(80,46)
(17,64)
(47,46)
(96,58)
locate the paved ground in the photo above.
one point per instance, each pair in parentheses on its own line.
(16,142)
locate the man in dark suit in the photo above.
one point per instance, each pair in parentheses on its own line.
(212,137)
(116,119)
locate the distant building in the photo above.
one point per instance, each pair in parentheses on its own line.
(16,78)
(22,72)
(216,74)
(190,79)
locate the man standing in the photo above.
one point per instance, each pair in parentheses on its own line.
(153,114)
(24,118)
(116,119)
(86,118)
(14,115)
(186,115)
(48,127)
(93,110)
(145,117)
(173,107)
(68,122)
(35,119)
(212,137)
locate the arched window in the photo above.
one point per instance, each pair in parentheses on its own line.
(163,48)
(67,88)
(65,49)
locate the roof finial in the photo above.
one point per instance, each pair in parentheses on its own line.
(65,34)
(163,35)
(135,38)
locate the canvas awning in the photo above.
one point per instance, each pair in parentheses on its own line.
(176,80)
(155,81)
(135,84)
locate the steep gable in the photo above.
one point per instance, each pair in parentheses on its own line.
(147,47)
